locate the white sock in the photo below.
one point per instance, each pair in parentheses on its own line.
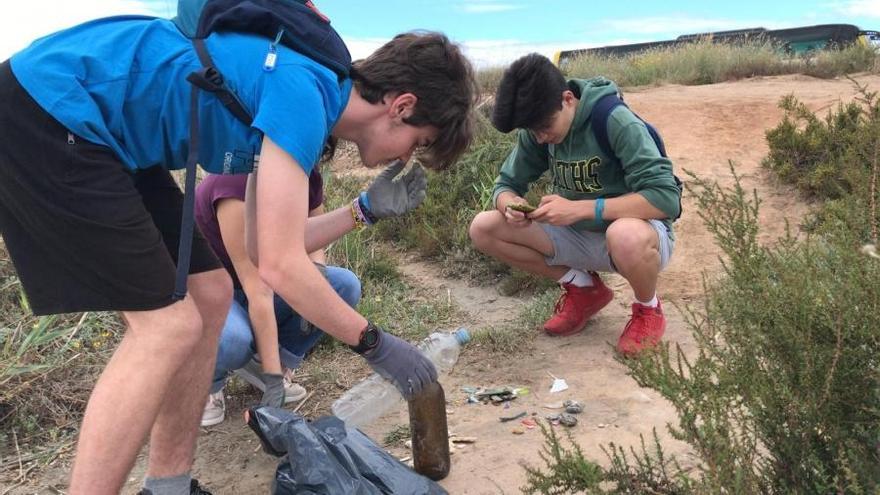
(578,278)
(650,304)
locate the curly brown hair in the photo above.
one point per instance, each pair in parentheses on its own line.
(430,66)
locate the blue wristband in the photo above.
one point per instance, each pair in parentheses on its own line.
(600,207)
(364,203)
(365,200)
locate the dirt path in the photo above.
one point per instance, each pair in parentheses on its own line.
(704,127)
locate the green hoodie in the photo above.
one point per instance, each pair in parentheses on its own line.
(580,170)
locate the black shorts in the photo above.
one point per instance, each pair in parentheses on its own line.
(84,233)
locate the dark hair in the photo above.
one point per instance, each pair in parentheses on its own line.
(529,93)
(432,68)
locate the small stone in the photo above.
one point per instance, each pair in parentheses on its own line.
(517,431)
(567,419)
(573,407)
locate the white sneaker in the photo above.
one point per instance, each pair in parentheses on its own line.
(293,392)
(215,409)
(252,373)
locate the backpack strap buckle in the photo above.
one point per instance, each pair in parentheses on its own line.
(207,79)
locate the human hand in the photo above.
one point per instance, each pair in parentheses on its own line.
(514,217)
(389,198)
(273,396)
(556,210)
(402,364)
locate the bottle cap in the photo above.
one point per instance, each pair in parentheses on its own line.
(462,335)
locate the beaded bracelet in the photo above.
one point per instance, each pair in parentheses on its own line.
(360,220)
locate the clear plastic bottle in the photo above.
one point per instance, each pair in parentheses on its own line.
(374,396)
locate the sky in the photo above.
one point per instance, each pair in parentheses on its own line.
(492,32)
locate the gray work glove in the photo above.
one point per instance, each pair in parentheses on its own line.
(273,396)
(389,198)
(402,364)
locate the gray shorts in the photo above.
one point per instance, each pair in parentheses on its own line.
(588,251)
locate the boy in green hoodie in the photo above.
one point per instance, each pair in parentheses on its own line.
(606,213)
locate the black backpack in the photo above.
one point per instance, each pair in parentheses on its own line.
(599,119)
(297,24)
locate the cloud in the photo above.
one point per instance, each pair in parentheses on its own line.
(485,53)
(487,6)
(23,22)
(363,47)
(866,8)
(496,53)
(677,25)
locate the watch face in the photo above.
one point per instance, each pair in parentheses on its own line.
(371,337)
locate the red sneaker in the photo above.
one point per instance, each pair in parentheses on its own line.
(643,331)
(576,305)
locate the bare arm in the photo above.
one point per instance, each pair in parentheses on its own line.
(318,255)
(261,311)
(281,213)
(556,210)
(250,223)
(325,228)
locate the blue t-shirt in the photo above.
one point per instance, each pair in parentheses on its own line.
(121,82)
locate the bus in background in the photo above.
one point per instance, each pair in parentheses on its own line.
(793,41)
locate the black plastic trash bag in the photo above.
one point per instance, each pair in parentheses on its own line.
(326,457)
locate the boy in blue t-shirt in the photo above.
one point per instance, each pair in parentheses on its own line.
(95,116)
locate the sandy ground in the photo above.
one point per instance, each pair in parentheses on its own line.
(704,127)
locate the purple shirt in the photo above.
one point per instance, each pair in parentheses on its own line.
(214,188)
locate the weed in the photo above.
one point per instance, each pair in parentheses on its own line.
(707,63)
(397,435)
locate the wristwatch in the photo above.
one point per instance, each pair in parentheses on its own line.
(369,339)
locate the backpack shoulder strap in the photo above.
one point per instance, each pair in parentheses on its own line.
(599,120)
(209,79)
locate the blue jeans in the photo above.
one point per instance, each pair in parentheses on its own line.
(237,344)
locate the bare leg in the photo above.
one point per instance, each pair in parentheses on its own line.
(173,438)
(634,247)
(520,247)
(128,395)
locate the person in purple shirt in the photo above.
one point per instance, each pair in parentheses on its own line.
(267,325)
(259,320)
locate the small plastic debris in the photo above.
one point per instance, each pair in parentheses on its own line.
(529,423)
(521,391)
(558,384)
(505,419)
(573,406)
(601,425)
(464,439)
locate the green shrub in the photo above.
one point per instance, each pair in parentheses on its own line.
(782,394)
(833,159)
(706,62)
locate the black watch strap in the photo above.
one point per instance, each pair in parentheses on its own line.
(369,339)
